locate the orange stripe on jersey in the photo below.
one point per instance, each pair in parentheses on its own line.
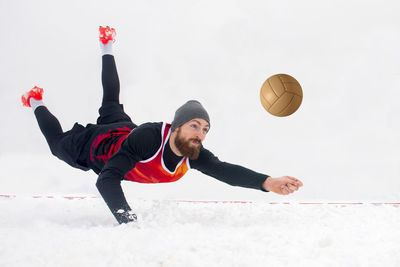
(153,170)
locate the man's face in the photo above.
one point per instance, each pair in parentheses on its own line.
(190,137)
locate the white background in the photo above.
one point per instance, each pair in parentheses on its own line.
(342,143)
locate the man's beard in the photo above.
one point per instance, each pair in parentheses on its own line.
(185,147)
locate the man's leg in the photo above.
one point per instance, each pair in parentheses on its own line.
(111,110)
(64,145)
(110,80)
(48,123)
(109,74)
(50,126)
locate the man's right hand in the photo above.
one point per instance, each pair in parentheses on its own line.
(123,216)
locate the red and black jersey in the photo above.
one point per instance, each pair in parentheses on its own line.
(145,169)
(148,142)
(154,170)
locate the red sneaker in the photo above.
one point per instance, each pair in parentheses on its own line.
(35,92)
(106,34)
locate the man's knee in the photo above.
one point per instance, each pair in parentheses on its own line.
(54,146)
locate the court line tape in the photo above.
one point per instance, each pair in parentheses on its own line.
(395,204)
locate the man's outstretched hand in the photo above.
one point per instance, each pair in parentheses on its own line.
(284,185)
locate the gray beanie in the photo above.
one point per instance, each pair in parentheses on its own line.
(189,111)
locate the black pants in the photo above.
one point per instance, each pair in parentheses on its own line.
(70,146)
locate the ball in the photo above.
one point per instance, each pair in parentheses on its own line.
(281,95)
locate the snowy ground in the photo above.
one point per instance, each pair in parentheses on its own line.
(82,232)
(62,232)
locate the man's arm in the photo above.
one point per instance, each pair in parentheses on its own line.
(229,173)
(237,175)
(141,144)
(109,186)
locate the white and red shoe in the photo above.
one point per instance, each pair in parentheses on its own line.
(35,92)
(106,34)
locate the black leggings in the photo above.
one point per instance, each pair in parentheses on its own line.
(110,80)
(111,110)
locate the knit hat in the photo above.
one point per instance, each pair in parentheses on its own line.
(189,111)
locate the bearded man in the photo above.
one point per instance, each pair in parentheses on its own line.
(117,149)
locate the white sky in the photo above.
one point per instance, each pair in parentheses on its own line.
(342,142)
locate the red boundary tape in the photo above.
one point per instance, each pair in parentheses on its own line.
(395,204)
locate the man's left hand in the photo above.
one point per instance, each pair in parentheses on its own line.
(284,185)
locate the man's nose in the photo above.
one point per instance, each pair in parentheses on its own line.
(201,135)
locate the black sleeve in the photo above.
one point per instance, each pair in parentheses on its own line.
(142,143)
(229,173)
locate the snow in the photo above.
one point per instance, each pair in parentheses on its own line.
(48,232)
(342,142)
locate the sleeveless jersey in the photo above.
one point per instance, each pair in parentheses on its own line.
(153,170)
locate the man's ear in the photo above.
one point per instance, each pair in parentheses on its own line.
(176,129)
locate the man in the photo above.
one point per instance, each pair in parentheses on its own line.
(117,149)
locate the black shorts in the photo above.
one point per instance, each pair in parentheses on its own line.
(74,145)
